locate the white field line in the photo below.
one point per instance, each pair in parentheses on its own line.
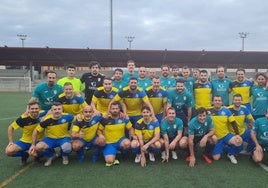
(264,167)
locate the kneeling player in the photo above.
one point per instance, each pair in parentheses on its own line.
(201,129)
(84,133)
(171,130)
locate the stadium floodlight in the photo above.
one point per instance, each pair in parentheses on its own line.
(22,38)
(130,40)
(243,35)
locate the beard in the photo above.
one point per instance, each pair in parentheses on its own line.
(50,84)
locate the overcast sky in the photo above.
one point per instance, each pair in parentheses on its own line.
(156,24)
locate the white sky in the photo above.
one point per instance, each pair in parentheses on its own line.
(156,24)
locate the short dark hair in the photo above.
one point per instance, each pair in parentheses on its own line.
(237,95)
(46,72)
(93,63)
(240,69)
(145,108)
(119,70)
(56,104)
(71,66)
(201,110)
(67,84)
(133,78)
(33,103)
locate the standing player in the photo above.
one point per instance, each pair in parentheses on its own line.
(27,122)
(158,98)
(180,99)
(243,86)
(201,130)
(103,96)
(118,81)
(132,98)
(77,84)
(221,85)
(143,80)
(92,80)
(166,81)
(187,79)
(202,91)
(46,93)
(259,94)
(130,71)
(171,130)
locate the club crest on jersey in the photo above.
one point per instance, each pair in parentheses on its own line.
(222,113)
(74,101)
(159,95)
(120,121)
(63,121)
(55,92)
(151,127)
(242,112)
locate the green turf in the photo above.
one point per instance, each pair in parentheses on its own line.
(176,173)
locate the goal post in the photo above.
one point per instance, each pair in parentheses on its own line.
(16,84)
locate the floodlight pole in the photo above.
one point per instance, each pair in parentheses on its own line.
(243,35)
(111,22)
(130,40)
(22,38)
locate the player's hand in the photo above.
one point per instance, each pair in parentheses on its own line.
(143,161)
(144,147)
(258,149)
(238,140)
(166,158)
(192,161)
(101,140)
(32,151)
(97,113)
(172,145)
(203,141)
(81,134)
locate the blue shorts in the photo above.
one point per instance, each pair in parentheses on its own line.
(219,147)
(88,144)
(56,142)
(111,149)
(23,145)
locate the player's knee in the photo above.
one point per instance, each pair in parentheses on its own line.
(216,157)
(126,144)
(76,146)
(257,157)
(157,144)
(134,144)
(66,147)
(109,159)
(9,152)
(183,143)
